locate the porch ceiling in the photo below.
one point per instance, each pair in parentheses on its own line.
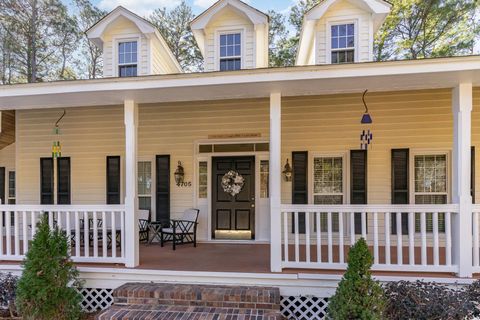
(257,83)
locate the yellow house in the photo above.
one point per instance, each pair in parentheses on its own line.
(287,167)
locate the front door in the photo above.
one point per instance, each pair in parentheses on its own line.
(233,198)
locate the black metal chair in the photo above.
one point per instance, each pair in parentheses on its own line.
(143,221)
(181,231)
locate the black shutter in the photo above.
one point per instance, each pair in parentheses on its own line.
(400,186)
(46,181)
(358,183)
(299,186)
(64,182)
(2,185)
(113,180)
(472,174)
(163,188)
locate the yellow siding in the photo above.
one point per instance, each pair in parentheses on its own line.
(229,19)
(344,11)
(88,135)
(419,120)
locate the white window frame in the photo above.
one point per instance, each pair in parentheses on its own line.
(217,57)
(427,152)
(7,197)
(115,52)
(334,22)
(345,173)
(152,188)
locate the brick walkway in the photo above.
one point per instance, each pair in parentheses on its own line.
(187,302)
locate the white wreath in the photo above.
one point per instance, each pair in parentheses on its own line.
(232,182)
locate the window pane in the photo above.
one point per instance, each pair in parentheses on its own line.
(342,42)
(223,40)
(145,203)
(237,38)
(144,178)
(334,31)
(11,184)
(350,29)
(202,179)
(342,30)
(264,171)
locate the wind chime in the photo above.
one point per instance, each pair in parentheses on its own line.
(57,147)
(366,137)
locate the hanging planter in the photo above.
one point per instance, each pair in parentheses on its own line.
(56,146)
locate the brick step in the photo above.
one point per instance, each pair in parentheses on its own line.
(181,301)
(241,297)
(159,312)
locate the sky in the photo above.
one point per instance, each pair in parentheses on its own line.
(145,7)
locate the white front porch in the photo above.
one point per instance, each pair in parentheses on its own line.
(450,246)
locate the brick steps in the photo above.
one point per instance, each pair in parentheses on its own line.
(179,301)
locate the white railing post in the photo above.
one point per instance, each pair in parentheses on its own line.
(275,182)
(462,235)
(131,249)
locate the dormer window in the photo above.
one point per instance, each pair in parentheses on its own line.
(343,43)
(127,59)
(230,52)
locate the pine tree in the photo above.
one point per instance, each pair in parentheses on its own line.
(49,283)
(358,296)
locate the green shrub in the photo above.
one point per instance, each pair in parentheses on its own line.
(48,286)
(358,296)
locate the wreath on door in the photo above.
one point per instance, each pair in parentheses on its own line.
(233,182)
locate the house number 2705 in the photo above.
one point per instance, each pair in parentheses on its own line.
(184,184)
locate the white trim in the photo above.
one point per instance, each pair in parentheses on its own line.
(232,30)
(334,22)
(427,152)
(345,173)
(116,40)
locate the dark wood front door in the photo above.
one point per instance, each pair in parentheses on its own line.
(233,216)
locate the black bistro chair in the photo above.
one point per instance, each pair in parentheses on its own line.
(143,221)
(181,231)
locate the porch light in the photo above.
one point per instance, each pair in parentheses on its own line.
(179,174)
(287,172)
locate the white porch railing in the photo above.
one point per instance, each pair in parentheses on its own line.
(96,232)
(476,238)
(322,241)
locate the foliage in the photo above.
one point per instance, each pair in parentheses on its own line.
(49,283)
(8,285)
(427,28)
(87,15)
(174,26)
(425,300)
(358,296)
(44,38)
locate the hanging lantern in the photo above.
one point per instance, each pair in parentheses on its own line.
(287,172)
(57,147)
(366,137)
(179,174)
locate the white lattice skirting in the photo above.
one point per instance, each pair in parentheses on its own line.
(95,299)
(304,308)
(292,308)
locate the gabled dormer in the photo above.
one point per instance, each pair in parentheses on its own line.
(131,46)
(341,31)
(232,35)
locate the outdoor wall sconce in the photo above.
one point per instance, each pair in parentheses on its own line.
(179,174)
(366,118)
(287,172)
(57,147)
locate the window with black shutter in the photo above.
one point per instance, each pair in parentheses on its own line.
(46,181)
(400,186)
(358,183)
(163,188)
(299,186)
(63,180)
(113,180)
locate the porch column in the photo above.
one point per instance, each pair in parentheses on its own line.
(462,229)
(275,175)
(131,219)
